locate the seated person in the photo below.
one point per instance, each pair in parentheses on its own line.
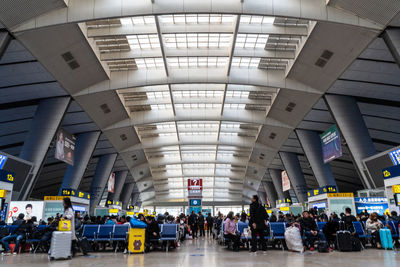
(373,225)
(19,220)
(309,228)
(152,232)
(230,231)
(19,234)
(47,233)
(348,220)
(330,229)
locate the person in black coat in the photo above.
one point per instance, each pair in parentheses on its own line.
(309,228)
(193,223)
(152,232)
(210,222)
(257,224)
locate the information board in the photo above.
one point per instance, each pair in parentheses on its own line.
(371,204)
(395,156)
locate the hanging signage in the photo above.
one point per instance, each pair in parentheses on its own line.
(6,176)
(283,200)
(396,189)
(195,194)
(3,160)
(113,211)
(65,146)
(114,203)
(111,183)
(195,202)
(371,204)
(331,145)
(322,190)
(195,184)
(285,181)
(75,193)
(3,193)
(340,195)
(55,197)
(391,172)
(394,156)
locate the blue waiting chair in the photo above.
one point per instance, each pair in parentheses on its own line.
(90,232)
(278,232)
(120,232)
(321,225)
(105,233)
(169,233)
(395,228)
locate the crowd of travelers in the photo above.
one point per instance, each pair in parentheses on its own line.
(197,225)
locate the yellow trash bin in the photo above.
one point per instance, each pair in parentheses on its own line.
(136,240)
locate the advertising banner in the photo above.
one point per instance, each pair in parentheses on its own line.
(285,181)
(65,146)
(28,208)
(52,208)
(371,204)
(111,183)
(331,144)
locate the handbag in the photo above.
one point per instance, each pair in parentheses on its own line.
(64,225)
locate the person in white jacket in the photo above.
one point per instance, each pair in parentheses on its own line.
(70,216)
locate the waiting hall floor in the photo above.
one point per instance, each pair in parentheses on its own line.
(206,252)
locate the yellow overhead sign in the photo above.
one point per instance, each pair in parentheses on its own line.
(284,208)
(3,193)
(55,197)
(396,189)
(113,210)
(340,195)
(130,213)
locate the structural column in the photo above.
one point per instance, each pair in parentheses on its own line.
(135,198)
(392,40)
(126,193)
(311,144)
(348,117)
(85,145)
(276,176)
(262,195)
(100,178)
(44,125)
(120,178)
(296,176)
(271,192)
(5,39)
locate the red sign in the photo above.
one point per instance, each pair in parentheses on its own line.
(195,184)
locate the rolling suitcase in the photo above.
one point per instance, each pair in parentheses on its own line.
(386,238)
(344,241)
(60,247)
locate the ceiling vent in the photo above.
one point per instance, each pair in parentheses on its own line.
(272,135)
(69,58)
(123,137)
(141,172)
(105,108)
(134,157)
(262,154)
(325,56)
(290,107)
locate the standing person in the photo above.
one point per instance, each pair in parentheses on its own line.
(257,223)
(70,216)
(210,222)
(201,224)
(193,224)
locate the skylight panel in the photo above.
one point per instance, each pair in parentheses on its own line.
(235,106)
(245,19)
(139,20)
(197,40)
(245,62)
(161,106)
(197,19)
(149,63)
(198,106)
(143,41)
(247,40)
(238,94)
(197,62)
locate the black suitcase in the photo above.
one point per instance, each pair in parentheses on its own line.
(344,241)
(85,246)
(356,244)
(323,247)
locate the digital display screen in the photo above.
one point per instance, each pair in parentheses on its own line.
(331,144)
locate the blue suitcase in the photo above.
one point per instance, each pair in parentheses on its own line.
(386,238)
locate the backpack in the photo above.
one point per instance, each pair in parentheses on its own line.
(356,243)
(4,231)
(323,247)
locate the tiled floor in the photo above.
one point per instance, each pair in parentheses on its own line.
(207,253)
